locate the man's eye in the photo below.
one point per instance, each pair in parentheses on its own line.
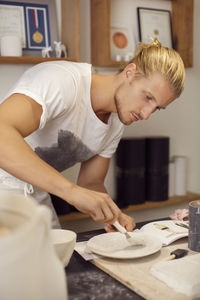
(159,108)
(148,97)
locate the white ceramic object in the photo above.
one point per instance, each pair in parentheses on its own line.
(29,266)
(11,45)
(64,243)
(115,245)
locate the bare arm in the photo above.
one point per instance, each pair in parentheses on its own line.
(92,175)
(93,172)
(19,117)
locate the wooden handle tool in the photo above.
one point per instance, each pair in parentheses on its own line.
(178,253)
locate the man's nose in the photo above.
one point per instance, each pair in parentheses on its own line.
(146,112)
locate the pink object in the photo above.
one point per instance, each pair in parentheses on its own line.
(180,215)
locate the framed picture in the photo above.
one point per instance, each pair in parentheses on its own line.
(155,23)
(33,20)
(122,44)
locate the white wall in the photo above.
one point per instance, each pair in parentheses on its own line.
(180,121)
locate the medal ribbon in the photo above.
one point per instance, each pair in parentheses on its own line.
(35,18)
(37,35)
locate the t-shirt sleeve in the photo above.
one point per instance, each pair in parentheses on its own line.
(54,88)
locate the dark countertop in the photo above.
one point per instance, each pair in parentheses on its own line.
(87,282)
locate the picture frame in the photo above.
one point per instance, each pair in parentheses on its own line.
(155,23)
(33,20)
(122,44)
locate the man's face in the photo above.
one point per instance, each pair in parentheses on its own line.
(137,98)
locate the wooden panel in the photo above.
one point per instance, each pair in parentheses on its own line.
(100,32)
(71,28)
(182,26)
(27,59)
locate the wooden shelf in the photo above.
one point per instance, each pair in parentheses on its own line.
(182,27)
(27,59)
(173,200)
(70,37)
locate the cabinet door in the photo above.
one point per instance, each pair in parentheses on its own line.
(182,26)
(71,28)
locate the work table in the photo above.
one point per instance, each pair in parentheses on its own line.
(95,279)
(86,281)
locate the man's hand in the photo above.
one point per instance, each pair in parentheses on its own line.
(124,220)
(99,206)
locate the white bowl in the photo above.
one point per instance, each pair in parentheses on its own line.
(64,243)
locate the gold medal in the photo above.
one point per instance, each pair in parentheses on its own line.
(37,37)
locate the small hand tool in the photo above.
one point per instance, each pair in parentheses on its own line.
(178,253)
(131,239)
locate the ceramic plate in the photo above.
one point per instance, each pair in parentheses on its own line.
(115,245)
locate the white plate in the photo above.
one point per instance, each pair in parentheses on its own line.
(106,244)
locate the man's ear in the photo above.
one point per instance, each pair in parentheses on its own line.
(130,70)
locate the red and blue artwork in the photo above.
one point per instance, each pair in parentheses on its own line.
(38,35)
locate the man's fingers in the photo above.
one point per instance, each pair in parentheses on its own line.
(127,221)
(106,211)
(97,215)
(109,228)
(129,226)
(109,216)
(115,211)
(104,214)
(100,206)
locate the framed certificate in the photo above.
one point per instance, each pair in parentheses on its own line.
(155,23)
(33,20)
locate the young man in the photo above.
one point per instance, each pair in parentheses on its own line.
(59,113)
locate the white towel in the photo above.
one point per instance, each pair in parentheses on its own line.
(183,274)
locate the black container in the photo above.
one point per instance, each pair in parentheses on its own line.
(130,172)
(61,206)
(157,162)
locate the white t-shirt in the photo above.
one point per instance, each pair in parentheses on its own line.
(69,130)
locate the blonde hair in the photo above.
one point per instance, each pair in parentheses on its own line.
(153,57)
